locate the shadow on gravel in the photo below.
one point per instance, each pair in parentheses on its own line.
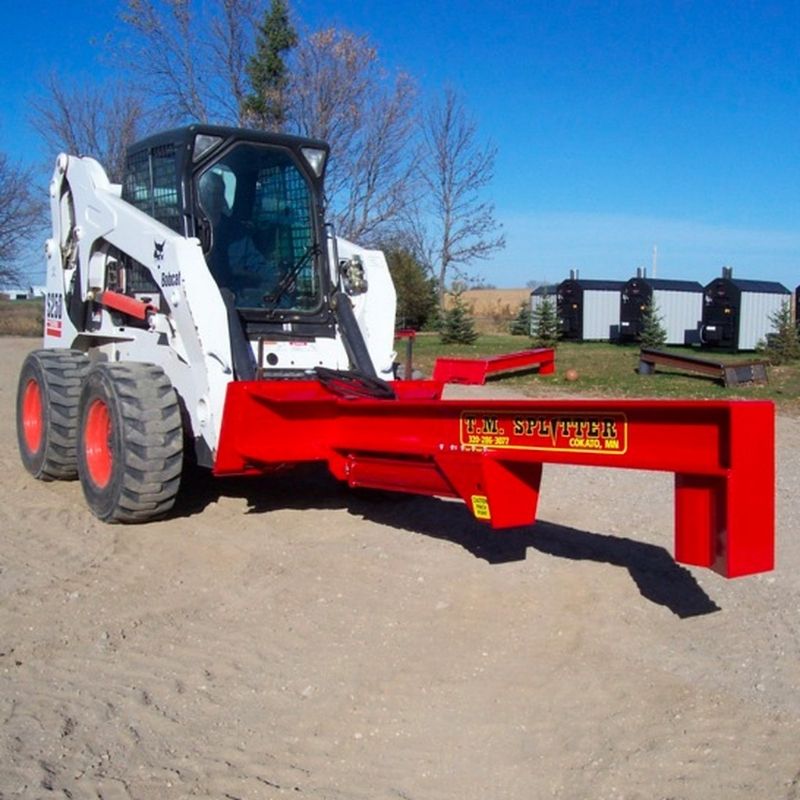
(659,579)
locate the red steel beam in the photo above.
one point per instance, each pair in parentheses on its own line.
(490,453)
(476,370)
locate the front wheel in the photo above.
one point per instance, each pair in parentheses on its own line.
(47,412)
(130,442)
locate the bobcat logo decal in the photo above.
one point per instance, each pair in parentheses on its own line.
(158,252)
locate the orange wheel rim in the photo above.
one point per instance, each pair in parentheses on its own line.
(32,419)
(99,459)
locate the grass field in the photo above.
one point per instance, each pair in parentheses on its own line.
(610,370)
(603,369)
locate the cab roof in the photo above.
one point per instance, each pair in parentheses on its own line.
(186,135)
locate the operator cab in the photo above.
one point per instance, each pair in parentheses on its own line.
(255,202)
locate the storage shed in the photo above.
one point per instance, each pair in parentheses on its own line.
(737,312)
(588,310)
(679,304)
(797,306)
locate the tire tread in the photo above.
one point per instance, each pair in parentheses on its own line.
(152,442)
(63,372)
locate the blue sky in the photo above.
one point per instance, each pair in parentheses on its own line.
(620,126)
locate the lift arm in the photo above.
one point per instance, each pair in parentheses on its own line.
(490,453)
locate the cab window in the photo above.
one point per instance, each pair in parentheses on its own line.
(258,205)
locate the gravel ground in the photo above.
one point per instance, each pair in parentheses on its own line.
(286,637)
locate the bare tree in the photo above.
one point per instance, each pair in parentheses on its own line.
(198,61)
(231,49)
(97,121)
(453,225)
(340,93)
(164,48)
(21,216)
(192,55)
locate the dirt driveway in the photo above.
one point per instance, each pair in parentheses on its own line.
(287,638)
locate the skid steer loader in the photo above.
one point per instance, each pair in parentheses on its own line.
(203,311)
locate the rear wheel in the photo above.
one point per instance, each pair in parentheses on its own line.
(130,442)
(47,412)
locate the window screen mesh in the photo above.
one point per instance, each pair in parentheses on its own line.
(262,234)
(282,200)
(151,184)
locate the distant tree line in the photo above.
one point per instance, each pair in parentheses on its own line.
(407,177)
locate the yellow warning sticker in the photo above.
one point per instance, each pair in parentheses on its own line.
(480,507)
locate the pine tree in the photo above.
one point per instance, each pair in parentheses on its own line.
(653,335)
(457,325)
(267,71)
(521,324)
(544,323)
(417,298)
(783,344)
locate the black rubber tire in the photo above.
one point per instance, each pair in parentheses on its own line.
(47,431)
(130,442)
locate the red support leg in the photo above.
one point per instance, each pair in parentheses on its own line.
(697,511)
(748,502)
(719,521)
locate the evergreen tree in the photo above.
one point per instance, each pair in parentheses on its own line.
(521,324)
(457,325)
(783,344)
(544,323)
(267,70)
(434,321)
(416,291)
(654,334)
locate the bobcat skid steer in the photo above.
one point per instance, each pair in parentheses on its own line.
(203,311)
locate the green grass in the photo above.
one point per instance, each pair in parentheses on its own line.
(605,370)
(609,370)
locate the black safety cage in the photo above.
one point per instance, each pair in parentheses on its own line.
(161,180)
